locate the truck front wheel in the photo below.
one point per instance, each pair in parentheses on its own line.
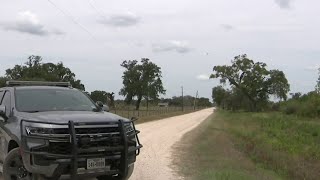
(13,168)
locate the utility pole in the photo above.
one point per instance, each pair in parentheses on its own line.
(195,101)
(182,98)
(148,97)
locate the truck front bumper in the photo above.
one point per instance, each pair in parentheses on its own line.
(74,163)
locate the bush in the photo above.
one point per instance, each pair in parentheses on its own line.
(291,108)
(275,107)
(305,106)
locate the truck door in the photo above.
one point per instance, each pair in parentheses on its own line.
(5,99)
(1,134)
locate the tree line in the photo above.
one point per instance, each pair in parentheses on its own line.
(249,85)
(35,70)
(142,82)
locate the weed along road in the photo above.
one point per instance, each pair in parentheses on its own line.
(158,138)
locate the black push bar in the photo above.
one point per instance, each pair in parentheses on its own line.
(74,140)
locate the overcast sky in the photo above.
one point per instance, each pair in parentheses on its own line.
(186,38)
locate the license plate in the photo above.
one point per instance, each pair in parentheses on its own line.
(96,163)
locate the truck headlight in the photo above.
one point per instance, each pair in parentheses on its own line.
(38,131)
(129,127)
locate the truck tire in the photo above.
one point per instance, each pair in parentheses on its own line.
(13,168)
(130,171)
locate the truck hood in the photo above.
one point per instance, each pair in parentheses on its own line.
(66,116)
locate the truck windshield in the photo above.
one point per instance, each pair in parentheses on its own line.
(38,100)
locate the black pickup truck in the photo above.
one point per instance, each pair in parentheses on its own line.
(49,130)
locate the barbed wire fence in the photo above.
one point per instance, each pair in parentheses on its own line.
(130,112)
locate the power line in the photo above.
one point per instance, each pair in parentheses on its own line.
(97,10)
(104,17)
(72,19)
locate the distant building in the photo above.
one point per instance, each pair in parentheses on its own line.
(163,104)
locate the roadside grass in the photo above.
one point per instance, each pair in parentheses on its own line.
(208,153)
(286,144)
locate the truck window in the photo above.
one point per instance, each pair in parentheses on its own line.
(7,102)
(1,95)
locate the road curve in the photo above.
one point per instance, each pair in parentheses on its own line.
(158,138)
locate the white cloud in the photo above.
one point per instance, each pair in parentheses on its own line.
(57,32)
(28,22)
(121,20)
(227,27)
(203,77)
(177,46)
(312,68)
(284,4)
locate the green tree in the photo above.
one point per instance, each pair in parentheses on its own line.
(3,81)
(35,70)
(229,99)
(218,95)
(253,80)
(203,102)
(141,81)
(296,95)
(99,96)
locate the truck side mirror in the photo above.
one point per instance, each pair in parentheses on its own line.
(99,103)
(105,108)
(3,116)
(102,106)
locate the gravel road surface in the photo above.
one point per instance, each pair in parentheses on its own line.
(158,137)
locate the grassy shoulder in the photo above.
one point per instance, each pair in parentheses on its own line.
(288,145)
(208,152)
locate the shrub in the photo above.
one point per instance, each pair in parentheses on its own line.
(306,106)
(275,107)
(291,108)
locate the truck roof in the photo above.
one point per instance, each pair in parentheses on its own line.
(42,87)
(36,87)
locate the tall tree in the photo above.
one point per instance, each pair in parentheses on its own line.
(34,69)
(141,81)
(253,79)
(99,96)
(218,95)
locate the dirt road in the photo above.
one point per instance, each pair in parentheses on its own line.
(158,137)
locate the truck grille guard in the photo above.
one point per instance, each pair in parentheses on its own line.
(74,139)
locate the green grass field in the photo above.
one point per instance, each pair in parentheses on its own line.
(289,145)
(252,146)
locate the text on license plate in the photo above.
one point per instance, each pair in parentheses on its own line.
(96,163)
